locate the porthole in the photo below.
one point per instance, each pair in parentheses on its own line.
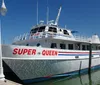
(27,44)
(38,44)
(60,30)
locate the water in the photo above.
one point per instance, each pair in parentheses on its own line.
(93,79)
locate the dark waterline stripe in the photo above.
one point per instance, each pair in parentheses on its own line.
(71,74)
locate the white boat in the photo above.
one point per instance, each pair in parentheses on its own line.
(50,51)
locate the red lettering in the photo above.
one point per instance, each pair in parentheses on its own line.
(15,51)
(20,51)
(53,53)
(34,51)
(49,53)
(56,53)
(43,52)
(29,51)
(24,51)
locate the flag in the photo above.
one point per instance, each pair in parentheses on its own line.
(74,31)
(3,9)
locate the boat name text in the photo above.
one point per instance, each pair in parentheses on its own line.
(49,53)
(24,51)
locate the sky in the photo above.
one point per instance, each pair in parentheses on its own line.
(79,15)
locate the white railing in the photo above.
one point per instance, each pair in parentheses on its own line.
(82,38)
(27,36)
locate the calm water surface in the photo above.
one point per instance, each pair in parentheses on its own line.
(93,79)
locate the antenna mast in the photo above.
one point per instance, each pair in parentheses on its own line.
(37,12)
(47,12)
(56,22)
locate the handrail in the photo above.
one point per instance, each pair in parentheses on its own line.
(27,36)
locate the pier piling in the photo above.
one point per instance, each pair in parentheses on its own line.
(90,57)
(80,67)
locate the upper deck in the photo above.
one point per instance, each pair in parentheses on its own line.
(55,32)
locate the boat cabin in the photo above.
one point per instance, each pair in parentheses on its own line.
(49,36)
(49,29)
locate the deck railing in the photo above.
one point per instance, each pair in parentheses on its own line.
(82,38)
(27,36)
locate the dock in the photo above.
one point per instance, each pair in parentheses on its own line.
(9,82)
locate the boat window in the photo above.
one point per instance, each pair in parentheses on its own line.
(98,47)
(34,30)
(65,32)
(77,46)
(38,44)
(88,47)
(41,29)
(70,46)
(83,47)
(62,46)
(53,45)
(52,29)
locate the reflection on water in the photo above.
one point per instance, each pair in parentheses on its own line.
(93,79)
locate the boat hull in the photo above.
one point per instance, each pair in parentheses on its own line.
(36,70)
(34,63)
